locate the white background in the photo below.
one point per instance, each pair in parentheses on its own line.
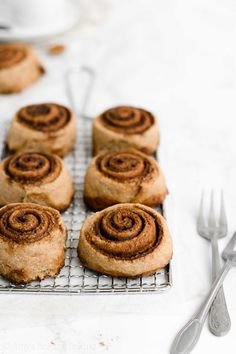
(177,59)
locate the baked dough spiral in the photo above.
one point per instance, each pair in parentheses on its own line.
(19,67)
(32,242)
(46,127)
(127,120)
(37,178)
(47,117)
(133,126)
(11,55)
(125,240)
(123,176)
(33,167)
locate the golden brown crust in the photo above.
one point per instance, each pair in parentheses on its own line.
(97,204)
(32,242)
(46,127)
(125,125)
(19,67)
(123,176)
(35,177)
(127,240)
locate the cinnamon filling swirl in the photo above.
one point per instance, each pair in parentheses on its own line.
(11,55)
(48,117)
(124,165)
(126,233)
(127,120)
(24,223)
(31,168)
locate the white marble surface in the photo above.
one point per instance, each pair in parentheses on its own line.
(178,59)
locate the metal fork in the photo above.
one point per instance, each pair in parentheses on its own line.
(189,335)
(218,320)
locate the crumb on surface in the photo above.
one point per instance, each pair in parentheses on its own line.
(56,49)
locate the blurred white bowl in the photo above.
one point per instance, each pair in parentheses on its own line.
(36,19)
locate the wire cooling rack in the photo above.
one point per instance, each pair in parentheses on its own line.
(74,278)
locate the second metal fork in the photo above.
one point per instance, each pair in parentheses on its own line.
(219,320)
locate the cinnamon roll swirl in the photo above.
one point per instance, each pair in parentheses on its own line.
(32,242)
(132,126)
(127,240)
(123,176)
(36,178)
(19,67)
(46,127)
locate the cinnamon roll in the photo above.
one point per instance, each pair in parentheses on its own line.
(36,178)
(46,127)
(19,67)
(132,126)
(127,240)
(32,242)
(123,176)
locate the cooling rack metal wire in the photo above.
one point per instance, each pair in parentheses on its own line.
(73,277)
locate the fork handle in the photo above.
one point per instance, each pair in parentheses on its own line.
(219,320)
(216,265)
(188,336)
